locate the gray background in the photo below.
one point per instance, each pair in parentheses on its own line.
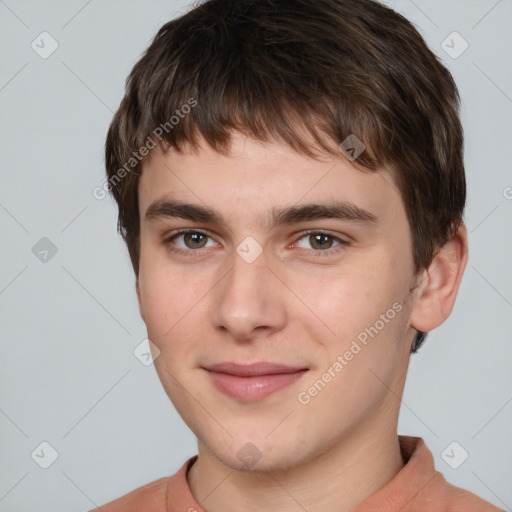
(68,375)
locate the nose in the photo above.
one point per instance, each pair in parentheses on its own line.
(249,300)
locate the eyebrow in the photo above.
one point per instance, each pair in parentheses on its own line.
(339,210)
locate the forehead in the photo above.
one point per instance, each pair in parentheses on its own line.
(260,178)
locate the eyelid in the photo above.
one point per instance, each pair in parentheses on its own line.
(326,232)
(325,252)
(176,234)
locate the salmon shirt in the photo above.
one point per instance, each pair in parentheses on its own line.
(417,487)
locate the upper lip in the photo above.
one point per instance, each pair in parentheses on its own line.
(250,370)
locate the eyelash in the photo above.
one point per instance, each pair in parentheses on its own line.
(314,252)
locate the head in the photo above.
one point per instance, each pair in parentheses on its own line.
(238,109)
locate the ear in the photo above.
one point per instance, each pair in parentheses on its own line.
(137,288)
(439,284)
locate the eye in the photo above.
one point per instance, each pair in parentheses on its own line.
(321,242)
(189,240)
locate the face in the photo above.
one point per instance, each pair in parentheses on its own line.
(261,275)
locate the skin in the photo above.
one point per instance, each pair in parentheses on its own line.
(208,305)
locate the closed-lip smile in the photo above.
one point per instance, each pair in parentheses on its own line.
(253,381)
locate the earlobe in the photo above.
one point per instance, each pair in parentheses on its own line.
(437,291)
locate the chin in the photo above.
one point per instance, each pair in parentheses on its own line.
(259,455)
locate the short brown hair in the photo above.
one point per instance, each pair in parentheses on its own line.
(308,74)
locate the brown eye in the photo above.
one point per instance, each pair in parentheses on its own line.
(188,241)
(194,240)
(321,241)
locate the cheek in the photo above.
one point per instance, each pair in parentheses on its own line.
(351,298)
(165,302)
(163,287)
(362,320)
(175,312)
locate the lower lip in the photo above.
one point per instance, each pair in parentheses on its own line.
(253,388)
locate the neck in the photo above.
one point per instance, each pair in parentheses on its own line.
(338,479)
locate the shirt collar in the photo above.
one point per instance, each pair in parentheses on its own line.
(417,474)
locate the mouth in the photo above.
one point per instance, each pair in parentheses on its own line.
(255,381)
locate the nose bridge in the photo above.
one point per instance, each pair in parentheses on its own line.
(248,297)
